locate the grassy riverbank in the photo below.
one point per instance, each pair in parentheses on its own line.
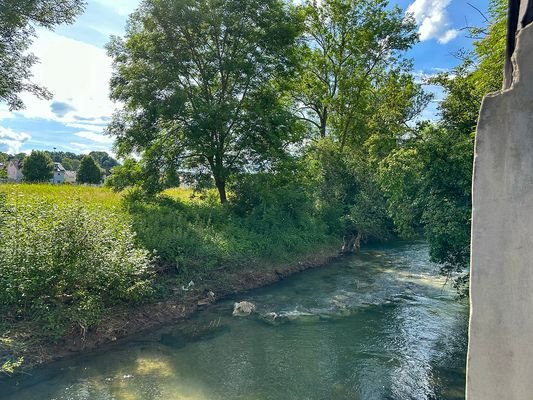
(81,266)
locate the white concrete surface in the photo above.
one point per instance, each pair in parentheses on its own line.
(500,356)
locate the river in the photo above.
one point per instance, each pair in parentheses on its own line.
(376,326)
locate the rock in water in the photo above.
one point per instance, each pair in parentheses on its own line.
(271,316)
(210,299)
(243,309)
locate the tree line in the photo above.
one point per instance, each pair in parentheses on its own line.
(39,165)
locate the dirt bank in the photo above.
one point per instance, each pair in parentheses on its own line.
(123,322)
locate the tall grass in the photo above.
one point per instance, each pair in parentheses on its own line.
(66,256)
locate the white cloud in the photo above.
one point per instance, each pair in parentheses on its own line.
(11,141)
(434,20)
(94,137)
(123,7)
(76,73)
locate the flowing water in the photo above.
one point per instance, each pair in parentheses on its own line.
(376,326)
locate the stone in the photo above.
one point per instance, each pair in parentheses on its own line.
(271,316)
(500,354)
(243,309)
(209,299)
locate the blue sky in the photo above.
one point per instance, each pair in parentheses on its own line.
(75,67)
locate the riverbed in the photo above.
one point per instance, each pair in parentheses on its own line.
(380,325)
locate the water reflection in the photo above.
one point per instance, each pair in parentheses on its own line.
(376,326)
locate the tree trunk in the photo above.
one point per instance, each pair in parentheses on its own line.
(219,174)
(221,186)
(323,123)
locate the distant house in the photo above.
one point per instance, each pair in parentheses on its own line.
(59,174)
(14,171)
(70,177)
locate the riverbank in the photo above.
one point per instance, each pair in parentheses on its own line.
(122,322)
(83,266)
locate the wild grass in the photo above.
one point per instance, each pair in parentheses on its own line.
(65,194)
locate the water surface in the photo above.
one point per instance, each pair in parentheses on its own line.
(376,326)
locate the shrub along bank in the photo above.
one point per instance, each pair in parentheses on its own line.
(69,255)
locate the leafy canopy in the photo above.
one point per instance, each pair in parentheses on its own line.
(197,80)
(37,167)
(428,179)
(89,172)
(352,69)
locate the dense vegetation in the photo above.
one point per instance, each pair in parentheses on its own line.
(88,171)
(428,177)
(38,167)
(295,126)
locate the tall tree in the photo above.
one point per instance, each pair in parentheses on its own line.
(352,54)
(89,172)
(18,20)
(428,178)
(37,167)
(196,78)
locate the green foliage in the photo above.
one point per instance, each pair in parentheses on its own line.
(89,172)
(70,164)
(63,265)
(428,178)
(199,82)
(352,69)
(18,20)
(38,167)
(428,184)
(129,174)
(71,161)
(346,193)
(197,237)
(490,50)
(104,160)
(276,201)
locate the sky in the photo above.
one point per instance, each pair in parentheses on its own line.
(74,66)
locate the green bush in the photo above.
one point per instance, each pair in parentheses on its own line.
(269,217)
(63,265)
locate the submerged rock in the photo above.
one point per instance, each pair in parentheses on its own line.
(210,299)
(243,309)
(271,316)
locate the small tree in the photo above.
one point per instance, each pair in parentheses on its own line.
(89,172)
(38,167)
(128,174)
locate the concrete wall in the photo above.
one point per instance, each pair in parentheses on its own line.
(500,356)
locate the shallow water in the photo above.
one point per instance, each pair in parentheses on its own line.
(376,326)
